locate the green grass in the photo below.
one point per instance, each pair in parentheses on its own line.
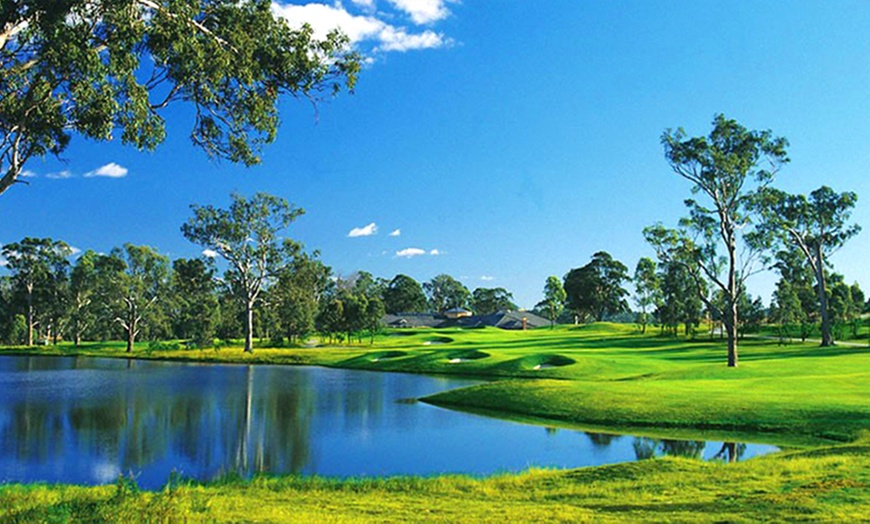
(598,377)
(826,484)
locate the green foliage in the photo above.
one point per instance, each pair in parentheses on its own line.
(680,298)
(815,227)
(39,274)
(485,301)
(194,306)
(716,242)
(93,67)
(158,345)
(595,290)
(554,299)
(647,289)
(246,235)
(404,295)
(446,293)
(296,295)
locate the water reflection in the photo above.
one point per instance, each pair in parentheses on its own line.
(85,420)
(647,447)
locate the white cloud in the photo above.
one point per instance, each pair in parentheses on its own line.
(74,250)
(111,170)
(487,278)
(59,175)
(416,252)
(396,233)
(423,11)
(397,39)
(410,252)
(3,262)
(324,18)
(209,253)
(367,4)
(365,231)
(27,174)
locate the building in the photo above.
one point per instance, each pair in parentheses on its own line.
(464,318)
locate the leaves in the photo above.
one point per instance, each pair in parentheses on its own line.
(96,66)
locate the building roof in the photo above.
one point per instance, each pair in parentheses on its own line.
(502,319)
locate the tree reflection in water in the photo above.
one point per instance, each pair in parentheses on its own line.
(127,425)
(646,447)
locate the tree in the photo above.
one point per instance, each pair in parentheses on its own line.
(446,293)
(140,280)
(595,290)
(816,226)
(486,301)
(709,242)
(361,308)
(786,309)
(83,286)
(404,295)
(297,293)
(554,299)
(646,286)
(842,306)
(247,236)
(34,263)
(95,66)
(680,302)
(194,303)
(797,277)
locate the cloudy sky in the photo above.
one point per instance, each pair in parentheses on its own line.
(498,141)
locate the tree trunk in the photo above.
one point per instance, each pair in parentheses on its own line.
(249,326)
(822,289)
(131,325)
(131,336)
(29,319)
(731,329)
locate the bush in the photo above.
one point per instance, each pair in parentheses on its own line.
(157,345)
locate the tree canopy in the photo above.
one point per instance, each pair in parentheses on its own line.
(595,290)
(246,235)
(404,295)
(486,301)
(815,226)
(445,293)
(554,299)
(97,67)
(715,242)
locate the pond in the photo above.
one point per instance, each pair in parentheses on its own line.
(87,420)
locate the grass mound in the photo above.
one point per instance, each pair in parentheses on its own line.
(456,357)
(538,362)
(434,341)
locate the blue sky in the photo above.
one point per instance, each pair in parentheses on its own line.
(505,140)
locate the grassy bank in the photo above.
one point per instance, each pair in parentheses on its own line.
(604,377)
(826,484)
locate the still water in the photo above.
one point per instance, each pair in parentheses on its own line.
(87,420)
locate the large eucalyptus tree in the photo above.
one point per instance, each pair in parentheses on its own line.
(815,226)
(247,236)
(726,169)
(101,67)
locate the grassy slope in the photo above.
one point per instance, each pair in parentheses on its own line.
(829,484)
(613,378)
